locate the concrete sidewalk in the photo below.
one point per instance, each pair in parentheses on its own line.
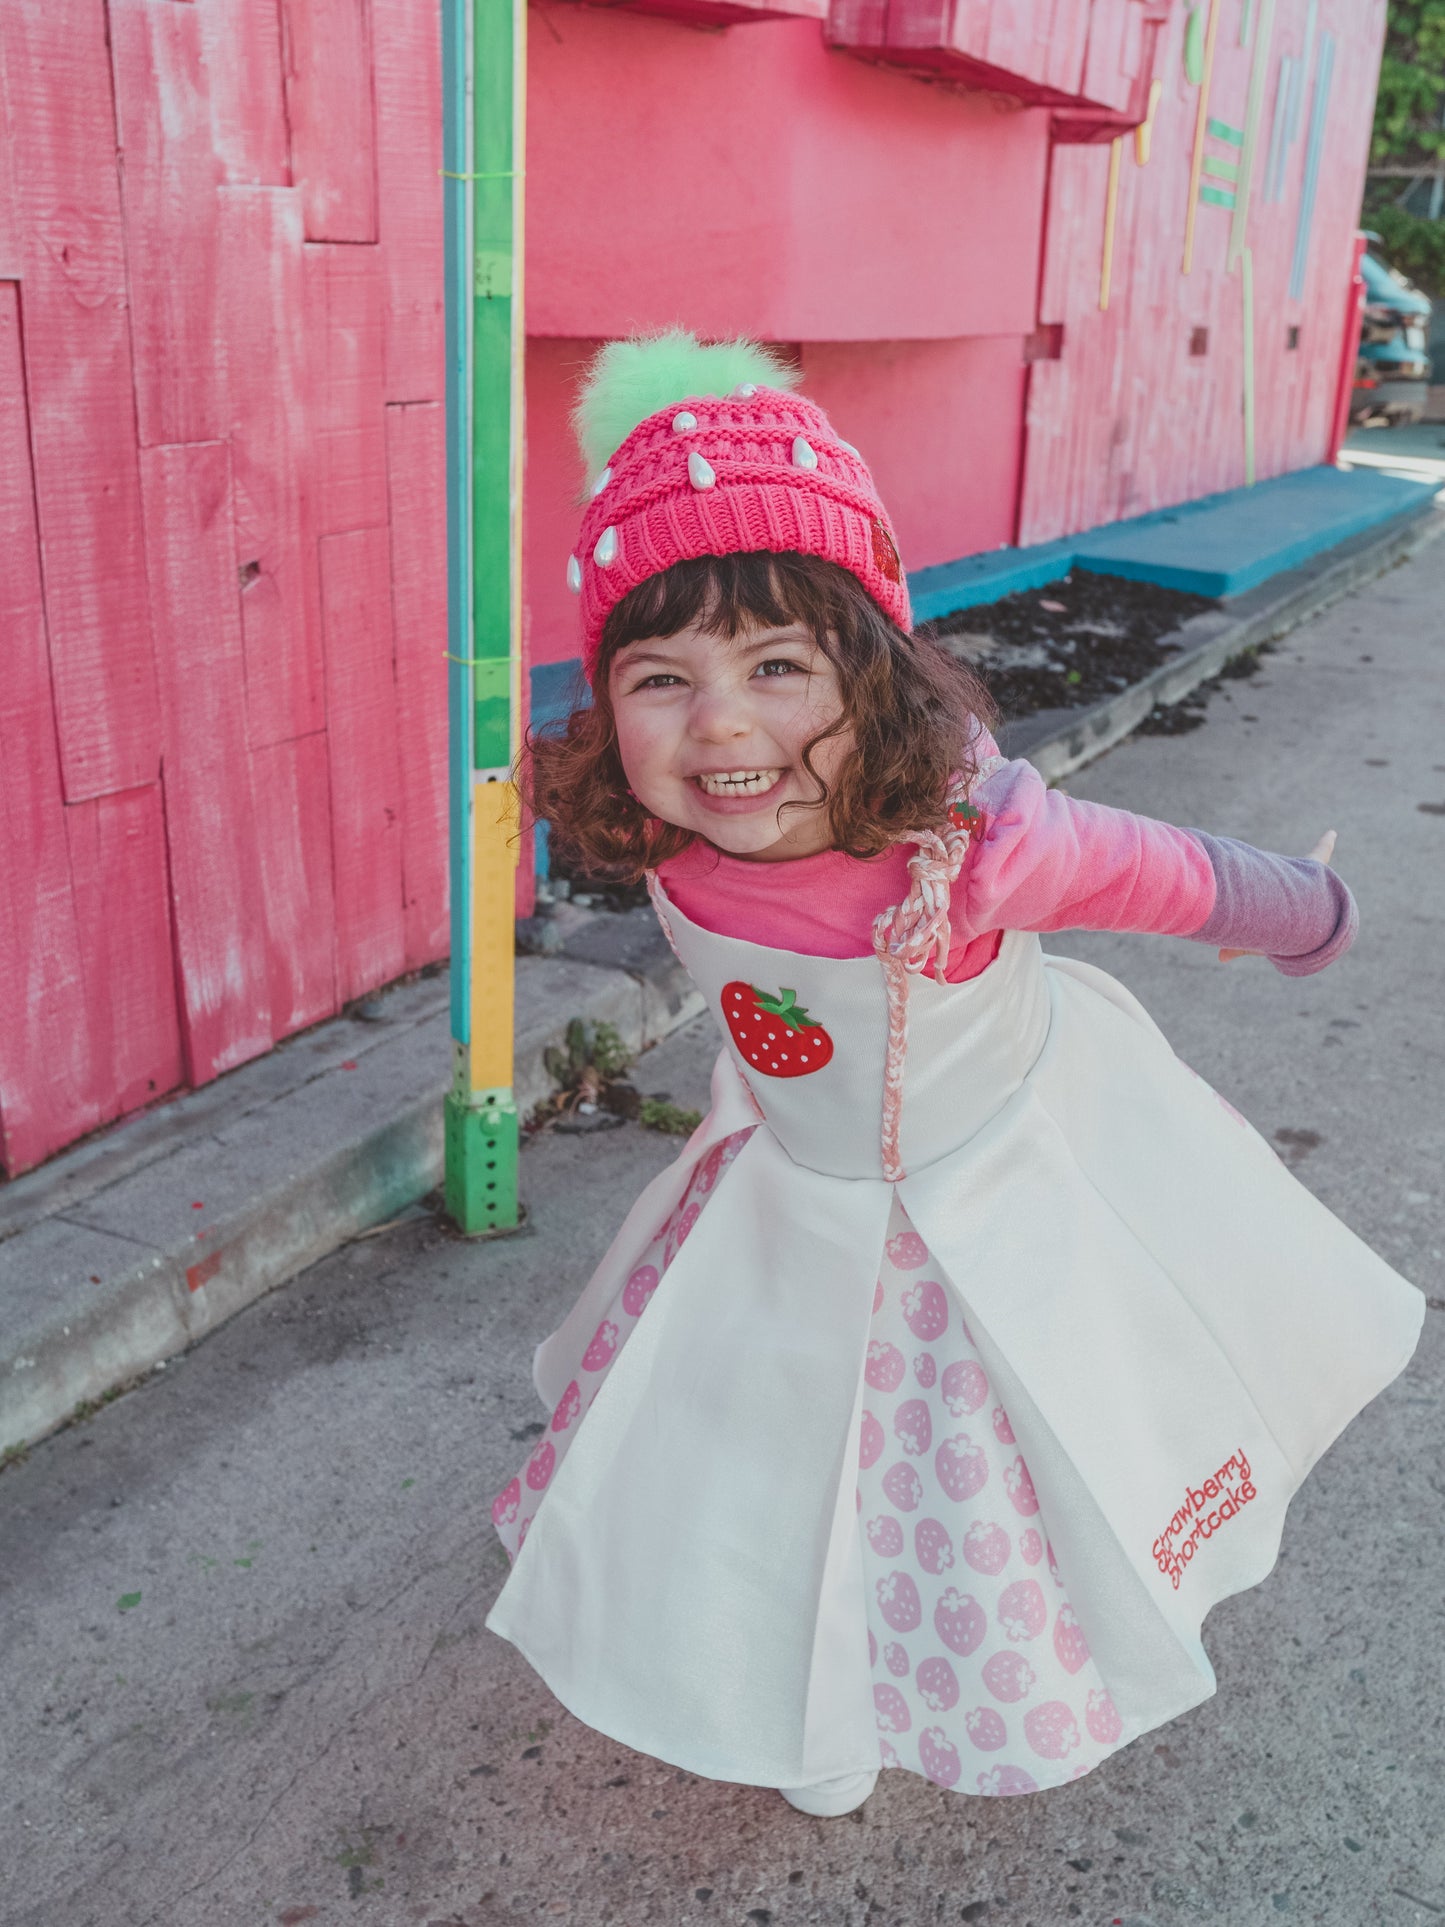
(125,1250)
(247,1681)
(131,1246)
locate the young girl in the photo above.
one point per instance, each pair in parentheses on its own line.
(973,1347)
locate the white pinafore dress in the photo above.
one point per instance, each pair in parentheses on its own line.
(940,1469)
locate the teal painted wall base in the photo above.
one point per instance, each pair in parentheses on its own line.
(1219,546)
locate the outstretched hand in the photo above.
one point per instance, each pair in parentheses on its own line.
(1321,853)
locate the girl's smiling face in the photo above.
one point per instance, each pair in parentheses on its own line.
(711,732)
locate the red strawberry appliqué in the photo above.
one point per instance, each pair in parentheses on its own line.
(773,1034)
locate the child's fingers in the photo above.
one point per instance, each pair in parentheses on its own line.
(1324,849)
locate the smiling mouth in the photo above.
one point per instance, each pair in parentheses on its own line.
(737,782)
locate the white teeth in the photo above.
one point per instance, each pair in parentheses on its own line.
(738,782)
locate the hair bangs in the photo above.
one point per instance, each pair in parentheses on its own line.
(723,595)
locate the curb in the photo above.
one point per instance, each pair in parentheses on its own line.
(126,1251)
(1059,744)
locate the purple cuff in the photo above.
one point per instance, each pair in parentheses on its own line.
(1296,912)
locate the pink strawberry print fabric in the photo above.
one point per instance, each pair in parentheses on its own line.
(982,1678)
(982,1675)
(515,1506)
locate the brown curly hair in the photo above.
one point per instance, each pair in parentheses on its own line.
(910,706)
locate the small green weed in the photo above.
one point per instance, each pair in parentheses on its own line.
(657,1115)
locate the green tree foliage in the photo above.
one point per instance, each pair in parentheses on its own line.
(1412,85)
(1409,131)
(1410,243)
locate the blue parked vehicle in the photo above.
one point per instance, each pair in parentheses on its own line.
(1392,373)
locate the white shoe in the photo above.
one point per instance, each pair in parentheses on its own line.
(831,1798)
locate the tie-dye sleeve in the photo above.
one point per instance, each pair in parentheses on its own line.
(1295,911)
(1047,861)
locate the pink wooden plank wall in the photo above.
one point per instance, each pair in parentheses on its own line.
(42,970)
(221,438)
(222,536)
(78,370)
(1128,419)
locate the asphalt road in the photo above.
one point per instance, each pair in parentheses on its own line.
(245,1676)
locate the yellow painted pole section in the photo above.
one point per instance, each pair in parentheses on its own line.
(1196,168)
(494,868)
(1111,211)
(495,807)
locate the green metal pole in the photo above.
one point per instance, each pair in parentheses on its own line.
(483,80)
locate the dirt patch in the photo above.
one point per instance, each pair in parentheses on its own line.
(1188,713)
(1069,644)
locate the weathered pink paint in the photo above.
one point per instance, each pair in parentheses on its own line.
(1093,61)
(930,408)
(884,230)
(933,256)
(725,13)
(1126,419)
(251,316)
(416,469)
(217,906)
(752,181)
(50,1089)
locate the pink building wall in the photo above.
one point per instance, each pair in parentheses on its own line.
(222,583)
(887,230)
(931,247)
(222,537)
(1128,419)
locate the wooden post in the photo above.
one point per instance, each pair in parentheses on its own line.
(483,56)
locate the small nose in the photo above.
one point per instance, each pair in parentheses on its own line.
(717,716)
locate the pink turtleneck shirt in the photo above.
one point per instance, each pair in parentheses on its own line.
(1044,861)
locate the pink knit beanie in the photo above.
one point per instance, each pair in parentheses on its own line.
(748,467)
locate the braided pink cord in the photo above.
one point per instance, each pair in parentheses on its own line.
(906,937)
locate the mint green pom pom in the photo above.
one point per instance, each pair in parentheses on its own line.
(629,380)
